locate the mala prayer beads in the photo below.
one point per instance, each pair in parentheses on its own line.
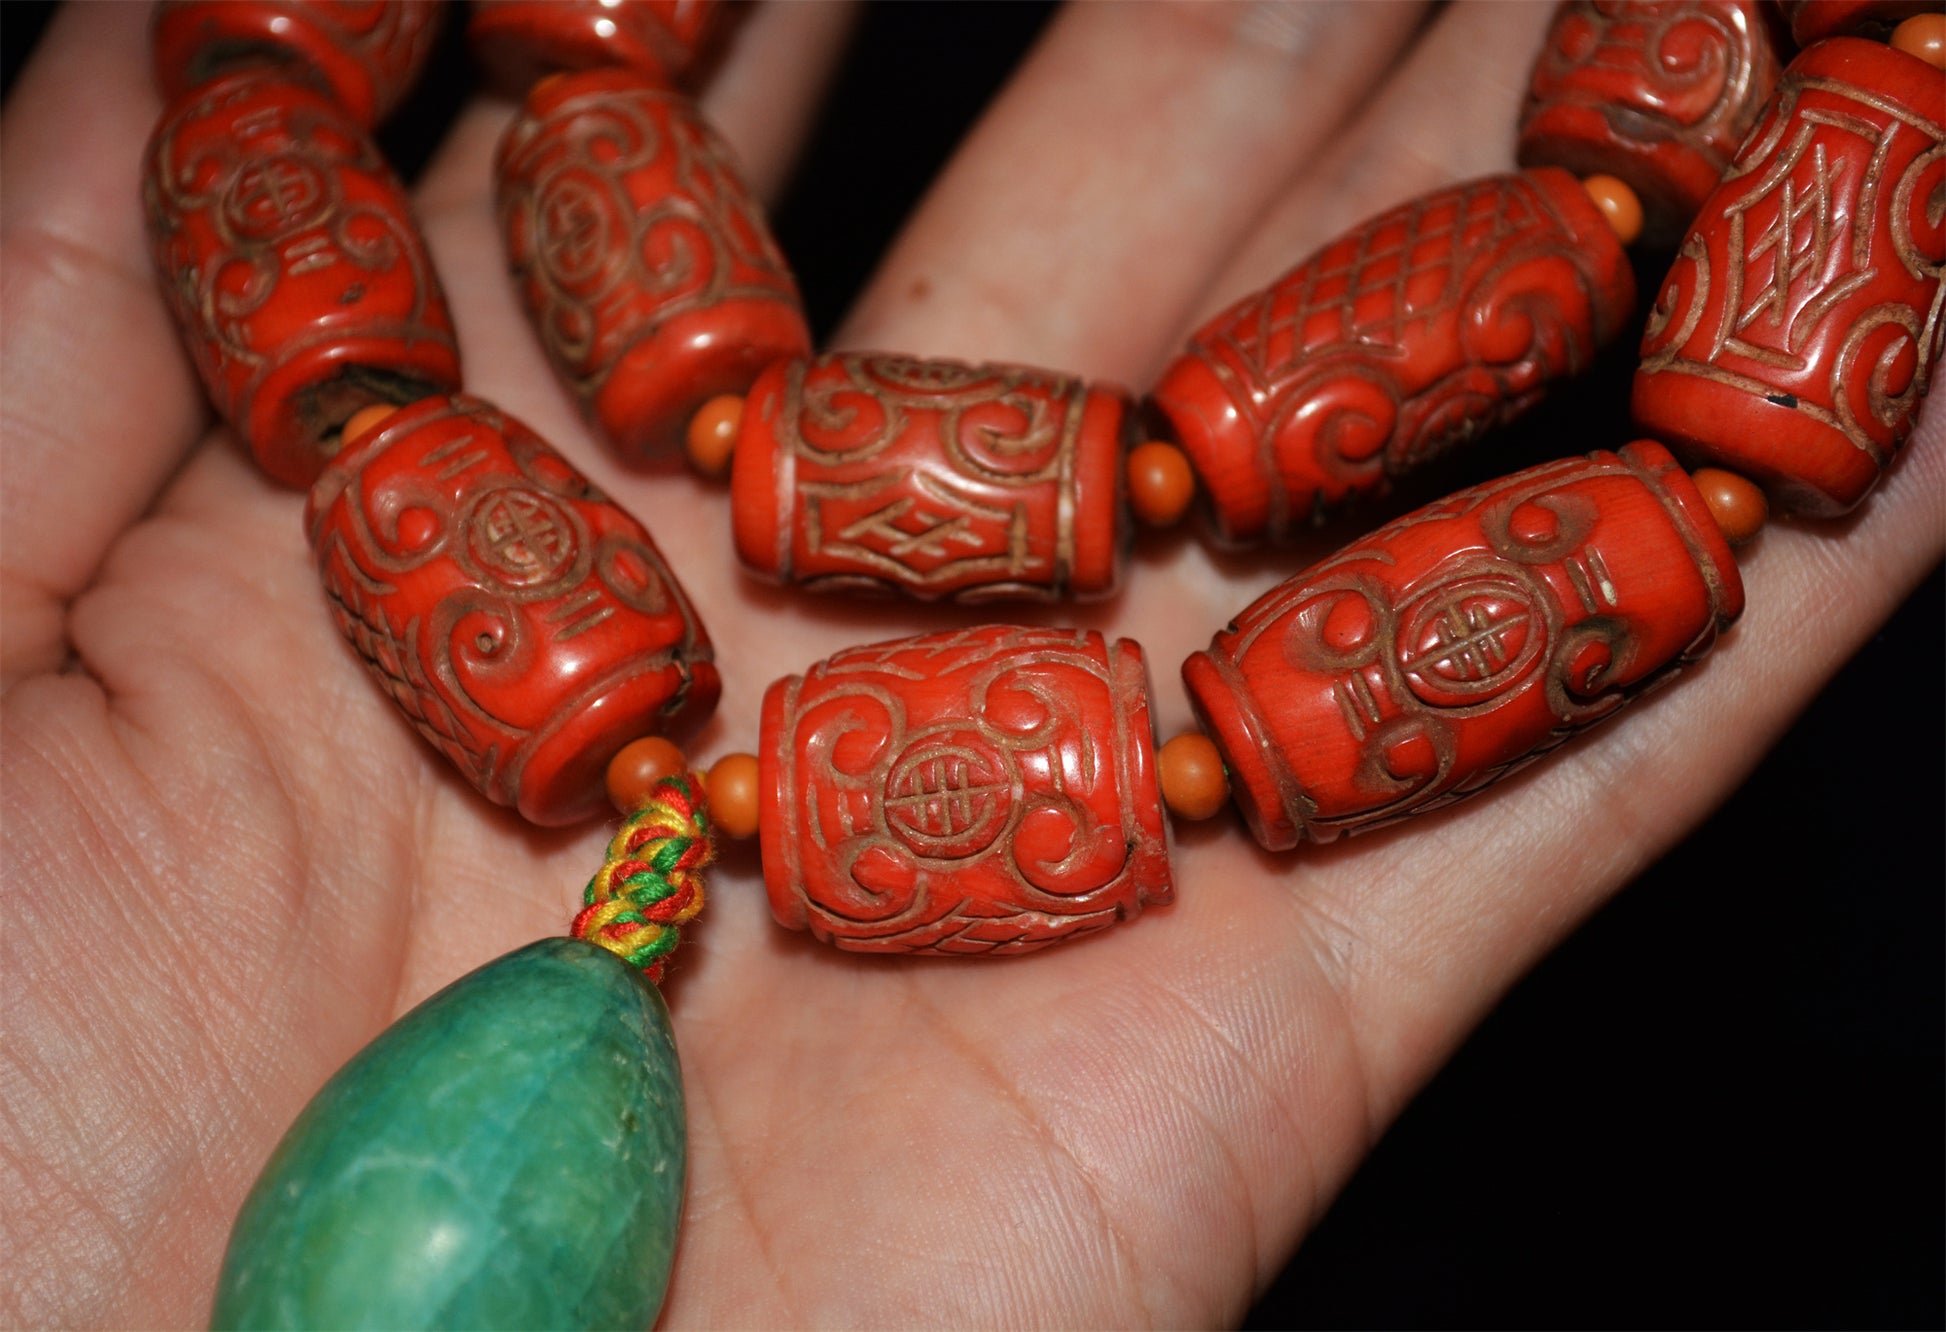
(992,789)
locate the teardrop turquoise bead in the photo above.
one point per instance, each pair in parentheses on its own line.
(508,1154)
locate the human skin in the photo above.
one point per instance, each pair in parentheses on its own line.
(270,866)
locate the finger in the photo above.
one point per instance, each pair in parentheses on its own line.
(98,402)
(1088,210)
(1448,114)
(762,98)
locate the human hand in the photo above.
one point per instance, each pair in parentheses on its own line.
(1138,1127)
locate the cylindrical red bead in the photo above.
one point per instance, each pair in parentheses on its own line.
(288,253)
(1412,333)
(368,51)
(986,790)
(930,478)
(1451,646)
(1657,94)
(524,623)
(1793,337)
(1814,20)
(644,263)
(522,40)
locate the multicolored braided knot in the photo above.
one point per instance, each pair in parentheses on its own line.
(651,881)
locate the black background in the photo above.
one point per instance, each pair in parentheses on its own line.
(1720,1103)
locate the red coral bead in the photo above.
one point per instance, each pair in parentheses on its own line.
(1794,335)
(643,261)
(1408,335)
(930,478)
(368,51)
(986,790)
(1656,94)
(525,624)
(1452,645)
(288,254)
(522,40)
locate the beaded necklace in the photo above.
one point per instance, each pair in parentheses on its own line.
(676,820)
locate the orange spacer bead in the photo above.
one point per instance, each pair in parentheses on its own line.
(1618,203)
(1161,484)
(633,773)
(1194,785)
(364,420)
(732,789)
(712,435)
(1735,502)
(1923,35)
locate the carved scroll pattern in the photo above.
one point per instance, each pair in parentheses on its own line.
(1814,279)
(933,477)
(622,211)
(977,791)
(1410,335)
(279,230)
(1456,644)
(1693,72)
(492,590)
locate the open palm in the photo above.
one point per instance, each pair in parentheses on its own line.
(229,865)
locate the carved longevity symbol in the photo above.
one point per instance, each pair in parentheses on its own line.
(948,796)
(521,537)
(574,231)
(274,196)
(1467,640)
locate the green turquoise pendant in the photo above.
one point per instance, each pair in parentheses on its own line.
(508,1154)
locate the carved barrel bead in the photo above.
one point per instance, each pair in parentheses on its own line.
(522,40)
(1408,335)
(644,263)
(288,253)
(1814,20)
(1455,644)
(1657,94)
(987,790)
(368,51)
(525,625)
(1794,335)
(930,478)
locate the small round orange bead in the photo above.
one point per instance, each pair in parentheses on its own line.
(732,788)
(712,434)
(1194,785)
(1161,483)
(1735,502)
(365,419)
(1923,35)
(1618,204)
(633,773)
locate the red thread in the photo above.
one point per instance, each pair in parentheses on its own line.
(664,911)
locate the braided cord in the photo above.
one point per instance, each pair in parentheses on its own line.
(651,880)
